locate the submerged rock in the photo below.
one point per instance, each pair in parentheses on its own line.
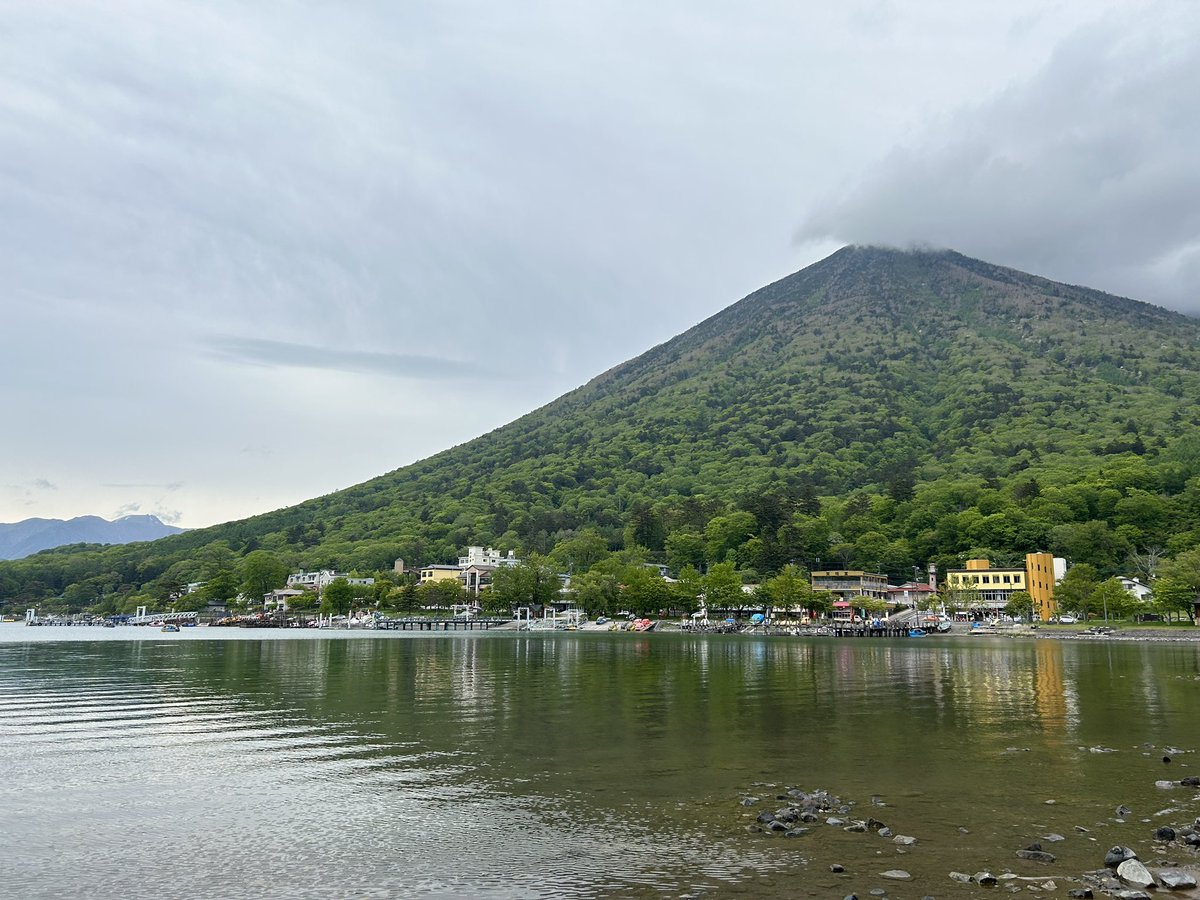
(1123,811)
(1036,855)
(1165,833)
(896,875)
(961,877)
(1176,879)
(1080,893)
(987,879)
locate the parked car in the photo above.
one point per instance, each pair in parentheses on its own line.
(1067,620)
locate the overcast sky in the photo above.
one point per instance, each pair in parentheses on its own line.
(254,252)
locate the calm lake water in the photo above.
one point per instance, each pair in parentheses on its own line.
(248,763)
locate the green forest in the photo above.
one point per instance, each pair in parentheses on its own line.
(878,410)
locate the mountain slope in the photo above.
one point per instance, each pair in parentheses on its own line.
(19,539)
(916,405)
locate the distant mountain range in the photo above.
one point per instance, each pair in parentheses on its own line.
(20,539)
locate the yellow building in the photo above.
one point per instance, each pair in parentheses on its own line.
(992,588)
(439,573)
(1039,569)
(987,587)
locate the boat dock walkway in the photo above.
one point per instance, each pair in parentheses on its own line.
(869,630)
(458,624)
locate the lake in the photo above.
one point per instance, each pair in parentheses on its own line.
(232,763)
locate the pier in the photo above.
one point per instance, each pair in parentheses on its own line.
(841,630)
(458,624)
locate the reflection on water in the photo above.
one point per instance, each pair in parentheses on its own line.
(564,765)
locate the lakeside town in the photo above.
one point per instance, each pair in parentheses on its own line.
(493,588)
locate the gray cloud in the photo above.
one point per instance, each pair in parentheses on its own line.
(168,516)
(1086,172)
(282,354)
(44,484)
(440,216)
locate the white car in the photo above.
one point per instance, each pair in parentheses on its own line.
(1067,620)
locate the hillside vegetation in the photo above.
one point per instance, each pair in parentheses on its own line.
(879,409)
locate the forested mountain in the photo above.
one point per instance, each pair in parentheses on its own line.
(18,539)
(879,409)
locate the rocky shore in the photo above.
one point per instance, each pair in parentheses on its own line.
(1180,634)
(1164,860)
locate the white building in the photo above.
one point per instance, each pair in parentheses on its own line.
(477,556)
(318,581)
(1132,586)
(281,598)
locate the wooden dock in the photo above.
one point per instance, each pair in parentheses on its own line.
(458,624)
(870,630)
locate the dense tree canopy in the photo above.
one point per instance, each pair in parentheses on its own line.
(879,410)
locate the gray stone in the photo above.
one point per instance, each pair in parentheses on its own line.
(1117,855)
(1133,873)
(795,832)
(878,892)
(1191,781)
(765,817)
(1080,893)
(749,801)
(1036,855)
(837,867)
(896,875)
(835,821)
(985,878)
(1165,833)
(960,877)
(857,827)
(777,826)
(850,897)
(1193,839)
(1082,830)
(1176,879)
(884,831)
(904,840)
(1165,785)
(1053,838)
(1123,811)
(1132,895)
